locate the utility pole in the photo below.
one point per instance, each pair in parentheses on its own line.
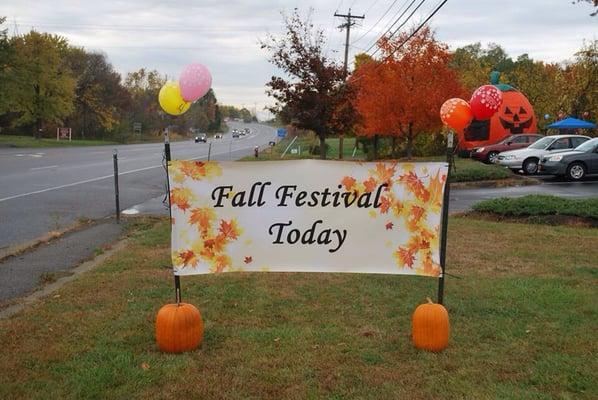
(347,25)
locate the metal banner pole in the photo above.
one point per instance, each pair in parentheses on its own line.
(177,279)
(444,221)
(116,194)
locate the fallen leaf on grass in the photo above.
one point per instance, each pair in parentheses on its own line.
(145,366)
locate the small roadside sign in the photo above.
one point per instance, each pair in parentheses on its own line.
(137,128)
(281,132)
(63,133)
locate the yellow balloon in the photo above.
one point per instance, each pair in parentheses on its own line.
(170,99)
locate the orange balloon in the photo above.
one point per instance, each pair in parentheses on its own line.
(456,113)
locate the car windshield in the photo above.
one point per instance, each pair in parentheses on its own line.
(542,143)
(506,140)
(588,146)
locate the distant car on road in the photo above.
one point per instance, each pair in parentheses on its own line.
(236,133)
(529,157)
(575,164)
(488,154)
(202,137)
(218,136)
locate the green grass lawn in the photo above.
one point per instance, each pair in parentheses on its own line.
(28,141)
(302,146)
(468,170)
(523,326)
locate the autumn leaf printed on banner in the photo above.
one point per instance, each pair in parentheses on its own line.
(202,217)
(196,170)
(180,197)
(187,258)
(423,196)
(230,229)
(405,257)
(348,182)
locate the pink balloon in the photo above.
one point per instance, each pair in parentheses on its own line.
(195,81)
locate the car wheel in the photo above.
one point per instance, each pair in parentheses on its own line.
(530,166)
(576,171)
(491,158)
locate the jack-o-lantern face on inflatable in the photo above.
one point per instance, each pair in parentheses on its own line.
(515,116)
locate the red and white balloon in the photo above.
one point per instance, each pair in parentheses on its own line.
(456,114)
(485,102)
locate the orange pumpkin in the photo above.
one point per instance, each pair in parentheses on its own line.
(179,328)
(515,116)
(430,327)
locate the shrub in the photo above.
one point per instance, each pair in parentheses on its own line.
(315,149)
(540,205)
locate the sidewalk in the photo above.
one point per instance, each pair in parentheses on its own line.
(24,273)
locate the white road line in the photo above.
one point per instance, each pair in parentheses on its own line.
(48,167)
(77,183)
(102,177)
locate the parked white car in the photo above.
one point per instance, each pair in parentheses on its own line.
(528,158)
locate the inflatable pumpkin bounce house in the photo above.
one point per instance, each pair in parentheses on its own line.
(514,116)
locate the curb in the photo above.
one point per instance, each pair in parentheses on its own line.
(52,287)
(497,183)
(17,249)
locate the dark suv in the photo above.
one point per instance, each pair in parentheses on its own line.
(488,154)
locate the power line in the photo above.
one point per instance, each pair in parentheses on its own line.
(415,31)
(409,37)
(395,19)
(391,22)
(391,35)
(371,6)
(377,22)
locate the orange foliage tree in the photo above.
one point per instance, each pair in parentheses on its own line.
(400,95)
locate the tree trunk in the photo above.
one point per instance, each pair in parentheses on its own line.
(410,141)
(38,121)
(375,147)
(38,129)
(340,146)
(322,146)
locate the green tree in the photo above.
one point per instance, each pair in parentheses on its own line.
(143,87)
(314,89)
(101,100)
(43,80)
(204,114)
(6,61)
(466,61)
(582,81)
(541,83)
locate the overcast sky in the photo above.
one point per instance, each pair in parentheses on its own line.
(166,35)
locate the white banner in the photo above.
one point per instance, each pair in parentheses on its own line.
(306,216)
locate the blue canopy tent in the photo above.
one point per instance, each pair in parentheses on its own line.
(571,123)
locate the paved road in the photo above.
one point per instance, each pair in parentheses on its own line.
(462,200)
(48,189)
